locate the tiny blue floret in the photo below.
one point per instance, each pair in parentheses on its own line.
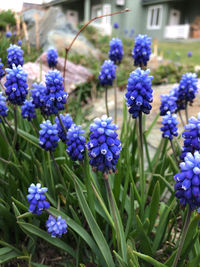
(28,110)
(169,127)
(76,142)
(15,56)
(56,226)
(52,57)
(116,50)
(107,73)
(37,199)
(3,107)
(48,136)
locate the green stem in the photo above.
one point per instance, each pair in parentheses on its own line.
(51,175)
(58,169)
(142,176)
(115,91)
(106,101)
(15,134)
(110,197)
(185,229)
(174,152)
(186,112)
(62,125)
(179,112)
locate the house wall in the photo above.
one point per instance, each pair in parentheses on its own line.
(76,6)
(155,33)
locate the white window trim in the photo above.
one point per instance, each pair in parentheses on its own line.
(96,7)
(156,27)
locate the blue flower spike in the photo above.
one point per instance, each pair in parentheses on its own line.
(48,136)
(37,199)
(116,25)
(67,122)
(116,50)
(56,226)
(15,56)
(168,103)
(28,110)
(139,92)
(2,72)
(76,143)
(52,57)
(104,147)
(16,85)
(56,97)
(38,94)
(188,88)
(8,34)
(107,73)
(191,136)
(3,107)
(187,184)
(169,128)
(142,50)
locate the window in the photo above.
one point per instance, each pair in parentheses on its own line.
(96,12)
(154,18)
(120,2)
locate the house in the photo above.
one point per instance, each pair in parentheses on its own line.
(171,19)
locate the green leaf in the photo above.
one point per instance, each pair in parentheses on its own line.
(121,262)
(144,239)
(149,259)
(44,235)
(7,254)
(97,234)
(154,205)
(152,125)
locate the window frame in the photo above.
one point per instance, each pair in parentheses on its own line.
(149,17)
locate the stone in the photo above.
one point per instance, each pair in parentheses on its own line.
(75,74)
(55,31)
(28,16)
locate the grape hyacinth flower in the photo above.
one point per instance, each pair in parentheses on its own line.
(116,25)
(76,143)
(191,136)
(188,89)
(2,72)
(179,103)
(19,42)
(67,122)
(56,226)
(52,57)
(107,73)
(15,56)
(8,34)
(28,110)
(16,85)
(38,95)
(104,147)
(142,50)
(168,103)
(116,50)
(126,31)
(139,95)
(189,54)
(187,184)
(37,199)
(3,107)
(169,127)
(48,136)
(56,96)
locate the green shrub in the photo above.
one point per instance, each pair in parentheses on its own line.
(7,18)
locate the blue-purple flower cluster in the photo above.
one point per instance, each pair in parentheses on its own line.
(76,143)
(187,184)
(188,89)
(104,147)
(37,199)
(191,136)
(48,136)
(107,73)
(52,57)
(56,96)
(56,226)
(28,110)
(168,103)
(139,95)
(14,56)
(8,34)
(169,127)
(38,93)
(142,50)
(2,72)
(115,25)
(116,50)
(67,123)
(16,85)
(3,107)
